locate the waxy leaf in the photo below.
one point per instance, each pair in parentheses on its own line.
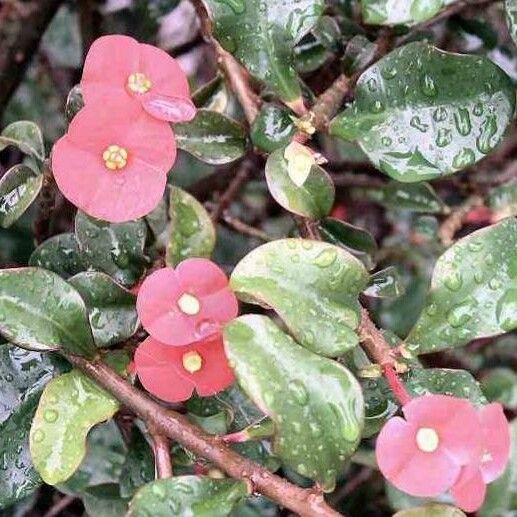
(26,136)
(70,406)
(138,468)
(503,200)
(407,12)
(415,197)
(473,291)
(315,403)
(115,249)
(421,113)
(314,198)
(111,308)
(272,129)
(261,35)
(192,233)
(212,137)
(500,385)
(60,254)
(313,286)
(385,284)
(23,375)
(194,496)
(40,311)
(19,187)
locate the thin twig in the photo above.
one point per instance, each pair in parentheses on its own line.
(57,508)
(454,222)
(374,342)
(162,454)
(245,229)
(305,502)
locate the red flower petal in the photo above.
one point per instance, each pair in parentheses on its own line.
(469,490)
(161,371)
(418,473)
(453,419)
(496,441)
(160,292)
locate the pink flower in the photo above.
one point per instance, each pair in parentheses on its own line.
(424,454)
(187,304)
(145,75)
(470,488)
(113,162)
(172,373)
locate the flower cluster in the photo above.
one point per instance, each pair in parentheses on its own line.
(445,444)
(183,310)
(121,144)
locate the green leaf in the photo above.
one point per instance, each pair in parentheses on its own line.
(19,187)
(104,501)
(353,239)
(272,129)
(261,35)
(313,286)
(70,406)
(212,137)
(59,254)
(115,249)
(315,403)
(74,102)
(408,12)
(421,113)
(192,233)
(26,136)
(212,424)
(473,291)
(111,308)
(503,200)
(188,495)
(212,95)
(416,197)
(511,17)
(138,468)
(385,284)
(500,385)
(313,199)
(23,375)
(40,311)
(431,510)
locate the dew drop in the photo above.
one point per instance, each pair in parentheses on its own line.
(454,282)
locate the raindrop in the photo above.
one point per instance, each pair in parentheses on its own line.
(298,391)
(462,121)
(460,314)
(50,415)
(326,258)
(486,133)
(454,282)
(444,137)
(464,158)
(429,86)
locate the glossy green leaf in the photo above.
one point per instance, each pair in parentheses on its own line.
(23,375)
(69,407)
(212,424)
(353,239)
(104,501)
(19,187)
(272,129)
(315,403)
(421,113)
(502,200)
(111,308)
(313,199)
(444,381)
(60,254)
(213,95)
(407,12)
(261,35)
(359,52)
(194,496)
(26,136)
(473,291)
(415,197)
(385,284)
(74,102)
(40,311)
(500,385)
(138,468)
(310,55)
(115,249)
(511,17)
(313,286)
(192,233)
(212,137)
(431,510)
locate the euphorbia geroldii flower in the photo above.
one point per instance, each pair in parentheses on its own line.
(172,373)
(424,454)
(469,490)
(144,74)
(184,305)
(113,162)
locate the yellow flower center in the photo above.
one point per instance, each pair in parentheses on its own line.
(427,439)
(115,157)
(188,304)
(192,361)
(139,83)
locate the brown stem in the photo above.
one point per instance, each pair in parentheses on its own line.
(61,505)
(455,221)
(245,229)
(307,503)
(374,342)
(162,454)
